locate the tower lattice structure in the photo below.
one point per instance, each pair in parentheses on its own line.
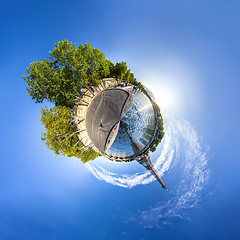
(146,162)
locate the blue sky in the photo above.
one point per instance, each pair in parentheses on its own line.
(188,54)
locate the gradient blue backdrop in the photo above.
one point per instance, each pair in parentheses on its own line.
(187,49)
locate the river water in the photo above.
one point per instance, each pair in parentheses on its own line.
(136,127)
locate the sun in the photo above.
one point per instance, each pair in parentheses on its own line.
(166,96)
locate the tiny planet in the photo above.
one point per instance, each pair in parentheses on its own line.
(118,120)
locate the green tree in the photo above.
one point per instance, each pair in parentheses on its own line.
(68,70)
(61,134)
(121,71)
(160,133)
(88,155)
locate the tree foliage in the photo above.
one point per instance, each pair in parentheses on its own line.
(160,131)
(61,134)
(68,69)
(121,71)
(89,155)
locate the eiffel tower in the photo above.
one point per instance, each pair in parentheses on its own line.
(146,162)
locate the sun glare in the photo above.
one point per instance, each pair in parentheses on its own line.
(166,97)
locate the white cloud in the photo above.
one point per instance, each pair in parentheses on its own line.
(181,145)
